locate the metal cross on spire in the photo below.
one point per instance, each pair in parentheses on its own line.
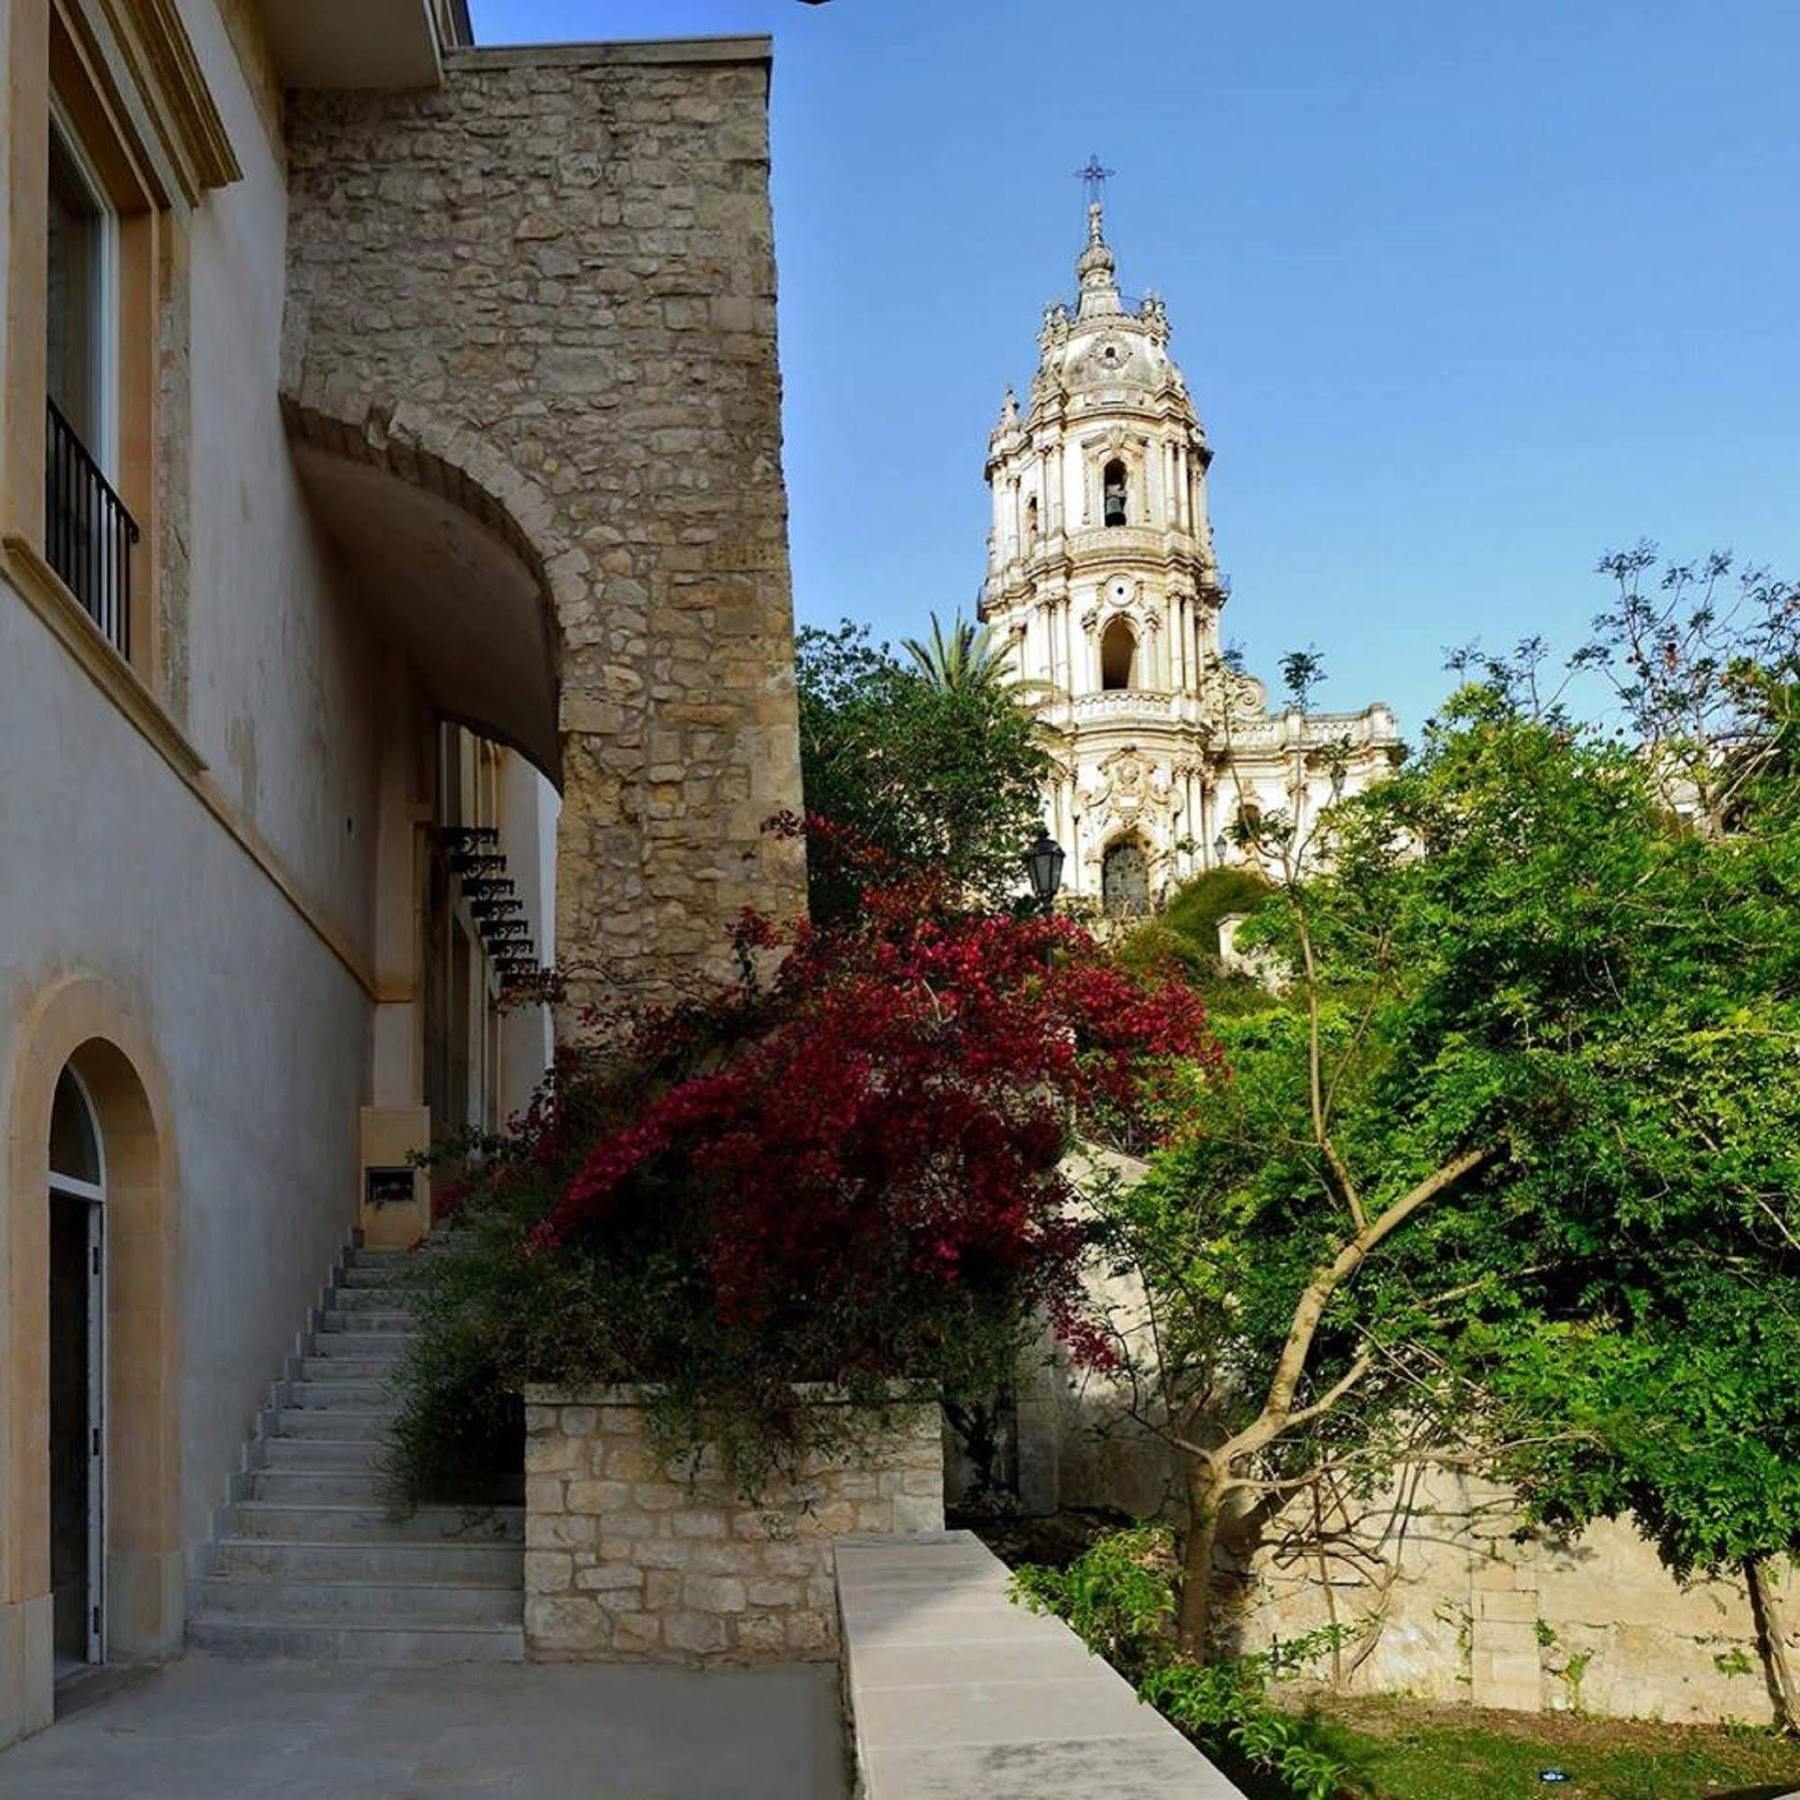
(1096,178)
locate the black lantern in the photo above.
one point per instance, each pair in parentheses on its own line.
(1044,864)
(1220,846)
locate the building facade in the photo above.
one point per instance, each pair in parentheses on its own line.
(1102,581)
(389,440)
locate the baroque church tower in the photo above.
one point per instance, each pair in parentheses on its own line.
(1102,583)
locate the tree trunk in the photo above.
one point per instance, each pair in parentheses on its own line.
(1206,1499)
(1771,1627)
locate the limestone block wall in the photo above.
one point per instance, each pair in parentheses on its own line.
(631,1557)
(554,277)
(1476,1607)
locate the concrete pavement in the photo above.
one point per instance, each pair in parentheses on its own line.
(204,1729)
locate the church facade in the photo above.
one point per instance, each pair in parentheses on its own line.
(1103,586)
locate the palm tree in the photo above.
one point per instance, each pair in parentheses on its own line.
(963,658)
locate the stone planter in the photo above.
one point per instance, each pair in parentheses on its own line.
(628,1559)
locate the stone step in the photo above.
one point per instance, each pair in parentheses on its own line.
(372,1559)
(443,1601)
(335,1341)
(324,1487)
(337,1322)
(377,1275)
(362,1256)
(323,1454)
(364,1371)
(337,1521)
(396,1641)
(342,1423)
(370,1299)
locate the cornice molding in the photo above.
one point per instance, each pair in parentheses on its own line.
(166,71)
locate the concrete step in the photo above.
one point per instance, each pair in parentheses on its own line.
(396,1641)
(320,1454)
(339,1422)
(337,1521)
(360,1602)
(372,1559)
(338,1322)
(324,1487)
(349,1383)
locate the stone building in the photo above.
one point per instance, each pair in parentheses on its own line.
(1101,579)
(389,438)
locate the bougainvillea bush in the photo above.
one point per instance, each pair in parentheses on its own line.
(844,1173)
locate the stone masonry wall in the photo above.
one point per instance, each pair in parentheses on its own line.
(556,274)
(628,1558)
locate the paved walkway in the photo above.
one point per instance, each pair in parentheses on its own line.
(209,1730)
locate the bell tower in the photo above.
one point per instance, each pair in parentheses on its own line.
(1102,581)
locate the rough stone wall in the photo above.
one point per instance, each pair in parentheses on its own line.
(1475,1606)
(557,273)
(631,1559)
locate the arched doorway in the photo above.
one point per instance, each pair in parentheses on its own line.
(77,1200)
(1125,880)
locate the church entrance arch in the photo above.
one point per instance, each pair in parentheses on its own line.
(1125,880)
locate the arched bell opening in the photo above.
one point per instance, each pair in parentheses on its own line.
(1118,655)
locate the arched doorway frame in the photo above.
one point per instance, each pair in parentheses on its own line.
(87,1024)
(1123,844)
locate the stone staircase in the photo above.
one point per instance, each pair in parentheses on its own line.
(309,1560)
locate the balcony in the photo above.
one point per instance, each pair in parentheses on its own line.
(88,534)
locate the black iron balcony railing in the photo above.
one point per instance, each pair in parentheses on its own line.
(88,534)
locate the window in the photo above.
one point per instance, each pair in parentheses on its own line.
(88,533)
(1113,490)
(1031,520)
(1118,652)
(81,298)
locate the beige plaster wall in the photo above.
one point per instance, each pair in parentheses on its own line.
(633,1557)
(556,274)
(115,870)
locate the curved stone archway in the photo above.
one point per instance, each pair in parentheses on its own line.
(86,1024)
(588,341)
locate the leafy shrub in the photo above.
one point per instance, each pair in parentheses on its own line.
(849,1176)
(1197,906)
(1119,1599)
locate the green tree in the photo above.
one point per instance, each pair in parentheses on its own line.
(925,772)
(966,656)
(1511,1178)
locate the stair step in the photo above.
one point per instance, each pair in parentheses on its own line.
(339,1423)
(370,1299)
(334,1341)
(359,1601)
(314,1522)
(372,1559)
(335,1369)
(321,1487)
(340,1323)
(320,1455)
(351,1383)
(413,1641)
(377,1275)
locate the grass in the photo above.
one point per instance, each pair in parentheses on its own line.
(1403,1750)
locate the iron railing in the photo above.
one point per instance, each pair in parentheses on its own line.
(88,534)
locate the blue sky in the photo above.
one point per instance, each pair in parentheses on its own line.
(1466,295)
